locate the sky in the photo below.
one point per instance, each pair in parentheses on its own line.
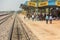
(10,5)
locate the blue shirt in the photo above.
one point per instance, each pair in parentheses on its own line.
(47,17)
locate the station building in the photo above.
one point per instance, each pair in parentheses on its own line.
(43,6)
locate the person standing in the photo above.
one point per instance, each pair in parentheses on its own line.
(47,18)
(50,18)
(32,17)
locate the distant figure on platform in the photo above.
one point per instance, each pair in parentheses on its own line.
(50,18)
(32,17)
(47,18)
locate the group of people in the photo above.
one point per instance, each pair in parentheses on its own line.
(47,17)
(38,16)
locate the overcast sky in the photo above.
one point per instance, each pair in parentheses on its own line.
(7,5)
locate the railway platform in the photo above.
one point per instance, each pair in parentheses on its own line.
(42,30)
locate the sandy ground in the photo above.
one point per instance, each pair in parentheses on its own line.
(42,30)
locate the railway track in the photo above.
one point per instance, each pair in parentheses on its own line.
(5,19)
(5,26)
(5,14)
(21,32)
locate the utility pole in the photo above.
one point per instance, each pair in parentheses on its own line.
(37,7)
